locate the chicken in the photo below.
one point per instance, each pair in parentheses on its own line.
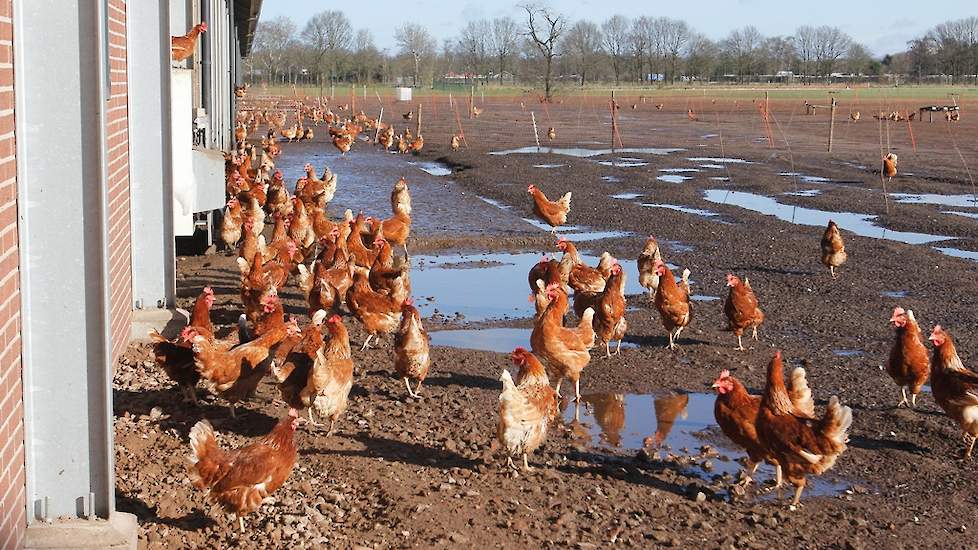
(241,479)
(456,143)
(552,213)
(741,308)
(736,414)
(293,360)
(890,165)
(182,47)
(234,373)
(411,359)
(344,143)
(546,270)
(290,133)
(408,115)
(401,197)
(672,301)
(854,116)
(328,389)
(232,223)
(609,315)
(379,313)
(395,229)
(563,349)
(176,357)
(525,410)
(573,271)
(552,133)
(833,248)
(417,144)
(691,115)
(801,445)
(909,363)
(360,254)
(646,266)
(955,387)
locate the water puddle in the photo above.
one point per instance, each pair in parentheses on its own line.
(959,201)
(627,196)
(860,224)
(805,178)
(848,352)
(549,165)
(679,428)
(441,287)
(678,170)
(611,179)
(685,209)
(895,293)
(622,163)
(719,160)
(804,193)
(500,340)
(494,202)
(958,253)
(580,152)
(579,233)
(709,136)
(720,178)
(972,215)
(673,178)
(713,166)
(704,298)
(433,168)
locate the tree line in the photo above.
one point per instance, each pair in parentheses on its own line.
(544,47)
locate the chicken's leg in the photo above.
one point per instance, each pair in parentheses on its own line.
(755,332)
(557,388)
(311,419)
(407,384)
(607,350)
(672,344)
(903,392)
(832,270)
(747,476)
(798,489)
(740,343)
(971,446)
(526,464)
(417,392)
(509,463)
(366,343)
(913,401)
(577,390)
(618,349)
(231,408)
(332,426)
(241,524)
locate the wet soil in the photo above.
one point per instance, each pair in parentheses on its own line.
(402,472)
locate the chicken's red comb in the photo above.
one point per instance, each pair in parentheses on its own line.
(293,413)
(408,302)
(334,319)
(277,174)
(724,374)
(208,290)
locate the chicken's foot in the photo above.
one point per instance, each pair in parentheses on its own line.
(971,445)
(407,384)
(755,332)
(618,349)
(241,524)
(903,392)
(366,343)
(740,344)
(526,464)
(797,499)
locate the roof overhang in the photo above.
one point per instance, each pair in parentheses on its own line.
(246,13)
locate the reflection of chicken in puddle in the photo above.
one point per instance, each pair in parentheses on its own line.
(667,408)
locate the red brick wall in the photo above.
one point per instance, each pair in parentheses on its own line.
(117,136)
(12,480)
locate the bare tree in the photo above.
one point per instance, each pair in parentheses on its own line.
(675,35)
(273,40)
(830,45)
(503,41)
(743,46)
(544,28)
(366,58)
(329,34)
(858,59)
(637,43)
(805,46)
(414,40)
(473,44)
(583,43)
(615,41)
(701,57)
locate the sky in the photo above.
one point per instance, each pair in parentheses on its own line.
(884,27)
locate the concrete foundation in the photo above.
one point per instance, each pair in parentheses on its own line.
(120,532)
(169,322)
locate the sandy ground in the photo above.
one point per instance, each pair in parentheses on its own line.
(419,473)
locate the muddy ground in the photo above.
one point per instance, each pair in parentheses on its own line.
(419,473)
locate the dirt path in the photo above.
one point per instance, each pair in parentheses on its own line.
(407,473)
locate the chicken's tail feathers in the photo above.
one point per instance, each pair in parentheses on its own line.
(801,394)
(836,423)
(565,200)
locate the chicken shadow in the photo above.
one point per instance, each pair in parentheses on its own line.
(871,444)
(463,380)
(403,452)
(775,270)
(181,416)
(193,521)
(598,465)
(649,341)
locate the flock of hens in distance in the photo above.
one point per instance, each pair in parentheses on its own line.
(350,264)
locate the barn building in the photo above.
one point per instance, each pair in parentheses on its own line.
(108,149)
